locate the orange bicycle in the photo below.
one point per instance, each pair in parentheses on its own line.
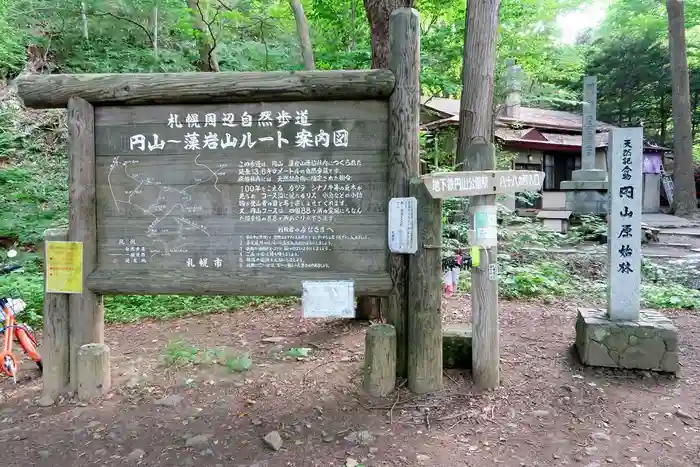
(9,309)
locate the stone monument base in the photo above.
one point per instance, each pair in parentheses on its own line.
(457,346)
(650,343)
(586,197)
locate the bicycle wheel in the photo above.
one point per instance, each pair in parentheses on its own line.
(9,364)
(28,343)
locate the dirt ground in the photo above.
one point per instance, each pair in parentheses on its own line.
(549,410)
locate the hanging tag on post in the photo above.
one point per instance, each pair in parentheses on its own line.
(493,272)
(485,226)
(475,255)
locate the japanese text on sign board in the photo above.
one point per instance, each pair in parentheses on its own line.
(626,193)
(195,140)
(248,188)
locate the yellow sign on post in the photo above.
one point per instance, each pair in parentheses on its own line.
(64,267)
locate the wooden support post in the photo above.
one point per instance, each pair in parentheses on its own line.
(85,310)
(424,296)
(55,347)
(380,360)
(93,371)
(404,160)
(485,345)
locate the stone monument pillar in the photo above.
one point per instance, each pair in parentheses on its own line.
(587,189)
(623,336)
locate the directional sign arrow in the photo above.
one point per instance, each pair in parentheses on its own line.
(488,182)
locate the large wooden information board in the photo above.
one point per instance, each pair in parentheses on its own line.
(296,190)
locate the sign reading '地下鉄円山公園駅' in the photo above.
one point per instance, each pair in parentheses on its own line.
(488,182)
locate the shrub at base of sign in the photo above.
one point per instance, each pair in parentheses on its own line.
(649,343)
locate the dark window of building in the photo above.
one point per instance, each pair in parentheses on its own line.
(558,167)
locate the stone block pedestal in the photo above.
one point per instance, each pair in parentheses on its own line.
(586,197)
(650,343)
(457,346)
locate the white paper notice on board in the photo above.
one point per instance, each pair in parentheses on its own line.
(328,299)
(403,225)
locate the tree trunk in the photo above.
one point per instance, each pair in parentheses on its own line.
(378,12)
(684,200)
(83,14)
(475,129)
(154,28)
(205,39)
(353,25)
(307,52)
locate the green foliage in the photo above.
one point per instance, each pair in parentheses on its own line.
(179,353)
(670,296)
(33,195)
(543,279)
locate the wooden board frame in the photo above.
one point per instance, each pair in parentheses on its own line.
(86,95)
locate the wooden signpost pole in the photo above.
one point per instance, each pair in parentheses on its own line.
(404,159)
(483,186)
(485,345)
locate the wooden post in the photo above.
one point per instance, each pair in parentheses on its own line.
(485,345)
(380,360)
(404,148)
(55,347)
(86,310)
(424,295)
(93,371)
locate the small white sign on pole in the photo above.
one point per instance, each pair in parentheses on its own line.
(328,299)
(403,225)
(485,226)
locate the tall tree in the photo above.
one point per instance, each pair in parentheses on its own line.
(205,38)
(476,126)
(684,200)
(378,12)
(307,52)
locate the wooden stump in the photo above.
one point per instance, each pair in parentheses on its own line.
(55,348)
(93,371)
(380,360)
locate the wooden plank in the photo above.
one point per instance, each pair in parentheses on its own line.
(86,310)
(404,153)
(224,115)
(53,91)
(424,296)
(55,345)
(211,282)
(454,184)
(288,212)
